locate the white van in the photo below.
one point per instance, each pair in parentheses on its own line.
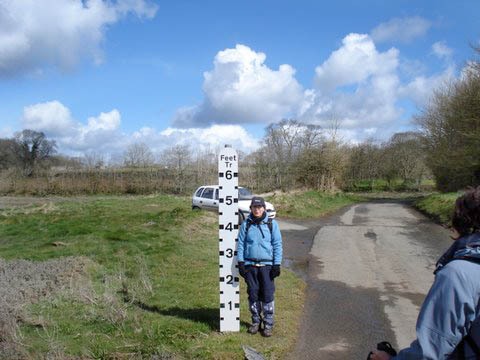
(206,197)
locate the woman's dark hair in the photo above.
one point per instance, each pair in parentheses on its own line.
(466,217)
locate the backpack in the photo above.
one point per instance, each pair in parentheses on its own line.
(269,224)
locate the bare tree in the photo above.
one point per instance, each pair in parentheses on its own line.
(364,163)
(284,142)
(93,160)
(31,148)
(406,157)
(7,156)
(176,160)
(138,155)
(322,167)
(205,162)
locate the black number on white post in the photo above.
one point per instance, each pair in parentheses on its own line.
(228,233)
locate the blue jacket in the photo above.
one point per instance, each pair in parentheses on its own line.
(451,309)
(259,246)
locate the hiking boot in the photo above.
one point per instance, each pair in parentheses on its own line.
(267,332)
(253,329)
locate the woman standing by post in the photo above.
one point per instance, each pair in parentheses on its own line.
(259,259)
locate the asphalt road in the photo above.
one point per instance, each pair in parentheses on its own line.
(368,269)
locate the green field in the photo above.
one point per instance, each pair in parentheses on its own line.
(150,285)
(379,185)
(310,204)
(438,206)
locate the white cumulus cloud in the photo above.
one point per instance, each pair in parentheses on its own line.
(55,120)
(355,62)
(36,34)
(214,136)
(357,87)
(421,88)
(52,117)
(242,89)
(103,134)
(364,90)
(402,30)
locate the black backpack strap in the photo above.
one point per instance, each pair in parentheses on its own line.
(469,340)
(249,223)
(471,343)
(269,224)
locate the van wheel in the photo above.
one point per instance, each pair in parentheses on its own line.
(195,208)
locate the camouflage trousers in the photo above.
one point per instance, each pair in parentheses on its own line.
(262,311)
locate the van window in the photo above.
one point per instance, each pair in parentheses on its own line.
(199,192)
(244,193)
(216,194)
(208,193)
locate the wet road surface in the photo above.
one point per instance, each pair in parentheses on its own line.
(368,269)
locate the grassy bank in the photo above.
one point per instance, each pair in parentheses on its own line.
(310,204)
(152,284)
(395,185)
(438,206)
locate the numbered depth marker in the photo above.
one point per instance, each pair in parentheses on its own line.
(228,234)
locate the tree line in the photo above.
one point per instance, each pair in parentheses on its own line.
(292,155)
(446,149)
(297,155)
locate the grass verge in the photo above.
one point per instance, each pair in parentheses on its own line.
(438,206)
(153,282)
(311,204)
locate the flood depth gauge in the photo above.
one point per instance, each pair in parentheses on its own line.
(228,237)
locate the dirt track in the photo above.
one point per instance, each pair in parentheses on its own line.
(368,270)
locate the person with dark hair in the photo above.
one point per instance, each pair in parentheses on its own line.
(259,254)
(448,326)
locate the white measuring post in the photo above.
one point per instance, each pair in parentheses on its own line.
(228,237)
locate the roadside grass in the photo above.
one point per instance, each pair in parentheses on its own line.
(153,288)
(438,206)
(311,204)
(395,185)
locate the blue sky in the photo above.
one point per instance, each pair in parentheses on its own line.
(98,76)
